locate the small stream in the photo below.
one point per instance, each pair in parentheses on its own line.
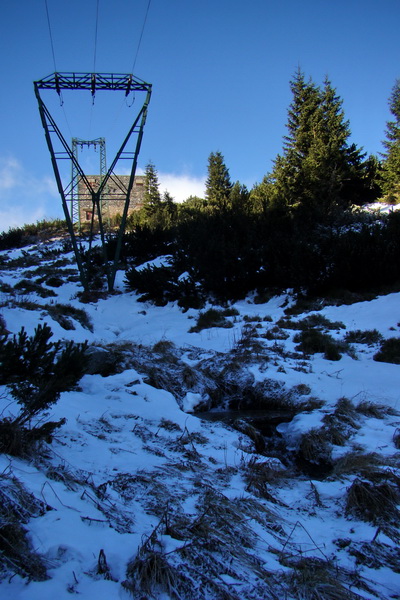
(264,421)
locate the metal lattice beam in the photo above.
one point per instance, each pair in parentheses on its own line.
(75,189)
(60,151)
(93,82)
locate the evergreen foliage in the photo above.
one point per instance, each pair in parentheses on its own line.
(36,371)
(226,256)
(144,243)
(152,195)
(218,184)
(318,173)
(391,163)
(18,237)
(169,210)
(239,199)
(389,351)
(293,230)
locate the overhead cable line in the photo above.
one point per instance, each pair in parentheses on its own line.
(141,35)
(95,36)
(51,36)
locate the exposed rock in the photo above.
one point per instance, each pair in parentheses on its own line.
(100,361)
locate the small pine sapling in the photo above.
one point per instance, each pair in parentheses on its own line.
(36,371)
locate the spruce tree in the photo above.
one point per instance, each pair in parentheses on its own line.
(239,198)
(391,162)
(169,209)
(287,186)
(151,198)
(318,169)
(218,183)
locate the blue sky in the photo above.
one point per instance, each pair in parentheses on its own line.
(220,71)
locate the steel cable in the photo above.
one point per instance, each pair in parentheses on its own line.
(51,36)
(95,36)
(141,36)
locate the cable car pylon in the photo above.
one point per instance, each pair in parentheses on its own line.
(60,150)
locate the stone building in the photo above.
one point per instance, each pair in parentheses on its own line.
(113,198)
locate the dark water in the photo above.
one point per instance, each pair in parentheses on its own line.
(265,421)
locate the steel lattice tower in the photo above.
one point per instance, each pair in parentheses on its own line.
(60,151)
(76,179)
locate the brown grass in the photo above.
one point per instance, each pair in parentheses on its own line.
(375,503)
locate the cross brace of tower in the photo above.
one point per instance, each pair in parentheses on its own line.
(76,195)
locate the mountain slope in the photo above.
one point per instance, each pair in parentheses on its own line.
(292,495)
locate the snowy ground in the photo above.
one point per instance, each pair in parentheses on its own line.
(132,477)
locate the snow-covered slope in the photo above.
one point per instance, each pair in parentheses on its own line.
(138,496)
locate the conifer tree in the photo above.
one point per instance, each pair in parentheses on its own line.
(391,163)
(151,198)
(289,176)
(318,171)
(218,183)
(170,209)
(239,198)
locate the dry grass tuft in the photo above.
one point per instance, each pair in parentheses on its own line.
(17,506)
(251,432)
(356,462)
(315,579)
(375,503)
(396,438)
(370,409)
(258,475)
(340,425)
(150,573)
(169,425)
(375,555)
(215,543)
(314,447)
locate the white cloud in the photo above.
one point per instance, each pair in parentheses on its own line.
(25,198)
(182,186)
(179,186)
(9,173)
(19,216)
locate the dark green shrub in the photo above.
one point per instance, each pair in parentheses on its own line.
(16,552)
(144,243)
(276,333)
(252,319)
(369,337)
(389,351)
(18,440)
(396,439)
(31,287)
(188,294)
(94,263)
(36,371)
(155,283)
(213,317)
(61,312)
(17,237)
(313,341)
(2,325)
(314,321)
(319,321)
(164,284)
(54,281)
